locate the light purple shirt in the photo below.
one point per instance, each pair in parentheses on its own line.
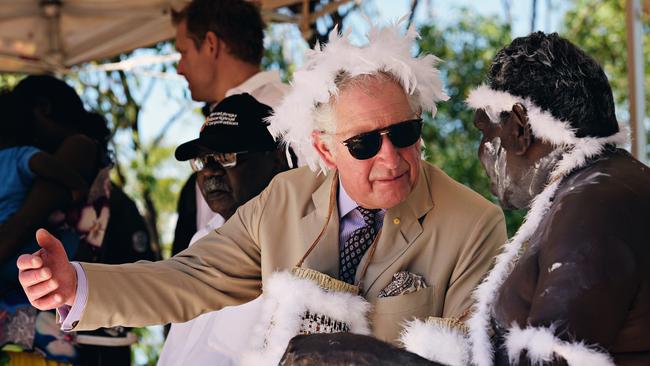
(70,316)
(350,220)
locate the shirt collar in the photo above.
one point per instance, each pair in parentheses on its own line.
(255,82)
(346,203)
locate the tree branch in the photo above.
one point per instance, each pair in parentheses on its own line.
(414,5)
(506,10)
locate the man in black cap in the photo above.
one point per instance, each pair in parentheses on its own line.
(235,158)
(235,154)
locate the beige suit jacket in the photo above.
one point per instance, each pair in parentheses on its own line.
(443,231)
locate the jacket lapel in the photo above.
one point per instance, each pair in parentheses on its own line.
(400,229)
(324,257)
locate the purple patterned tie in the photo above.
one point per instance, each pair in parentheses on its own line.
(356,245)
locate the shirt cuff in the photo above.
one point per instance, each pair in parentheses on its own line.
(70,316)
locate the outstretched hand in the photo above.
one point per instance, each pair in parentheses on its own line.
(48,278)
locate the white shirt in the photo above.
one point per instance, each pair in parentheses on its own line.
(215,338)
(265,86)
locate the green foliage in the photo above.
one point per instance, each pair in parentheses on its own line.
(150,173)
(147,351)
(274,60)
(451,140)
(599,28)
(8,81)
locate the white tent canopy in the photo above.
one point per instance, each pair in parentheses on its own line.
(51,35)
(38,36)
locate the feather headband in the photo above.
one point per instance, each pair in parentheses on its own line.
(314,84)
(543,124)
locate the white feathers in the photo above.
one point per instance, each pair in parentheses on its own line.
(543,124)
(436,342)
(585,148)
(537,341)
(387,51)
(542,346)
(492,101)
(286,298)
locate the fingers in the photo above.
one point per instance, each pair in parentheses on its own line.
(29,261)
(41,289)
(48,302)
(34,276)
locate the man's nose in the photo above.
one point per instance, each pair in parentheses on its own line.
(214,170)
(388,153)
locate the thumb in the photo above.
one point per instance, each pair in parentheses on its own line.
(50,244)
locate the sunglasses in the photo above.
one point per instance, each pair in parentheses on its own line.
(366,145)
(225,160)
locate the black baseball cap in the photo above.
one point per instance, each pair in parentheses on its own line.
(236,124)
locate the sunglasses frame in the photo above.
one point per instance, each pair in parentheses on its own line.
(216,158)
(382,132)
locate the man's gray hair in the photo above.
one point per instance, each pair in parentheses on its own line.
(324,116)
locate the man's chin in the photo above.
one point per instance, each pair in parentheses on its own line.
(221,205)
(225,212)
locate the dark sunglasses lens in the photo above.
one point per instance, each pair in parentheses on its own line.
(406,133)
(364,147)
(210,160)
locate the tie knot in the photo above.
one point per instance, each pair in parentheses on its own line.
(369,216)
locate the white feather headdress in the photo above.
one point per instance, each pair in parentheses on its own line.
(542,122)
(314,84)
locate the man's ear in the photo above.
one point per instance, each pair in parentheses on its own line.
(323,149)
(523,135)
(213,42)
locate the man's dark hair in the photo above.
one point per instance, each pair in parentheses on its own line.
(558,77)
(236,22)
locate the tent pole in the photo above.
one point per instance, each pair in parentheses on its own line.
(636,77)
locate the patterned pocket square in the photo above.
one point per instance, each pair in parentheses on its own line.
(403,283)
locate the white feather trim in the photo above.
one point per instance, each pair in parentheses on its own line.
(543,346)
(586,148)
(485,293)
(387,50)
(285,299)
(543,124)
(435,342)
